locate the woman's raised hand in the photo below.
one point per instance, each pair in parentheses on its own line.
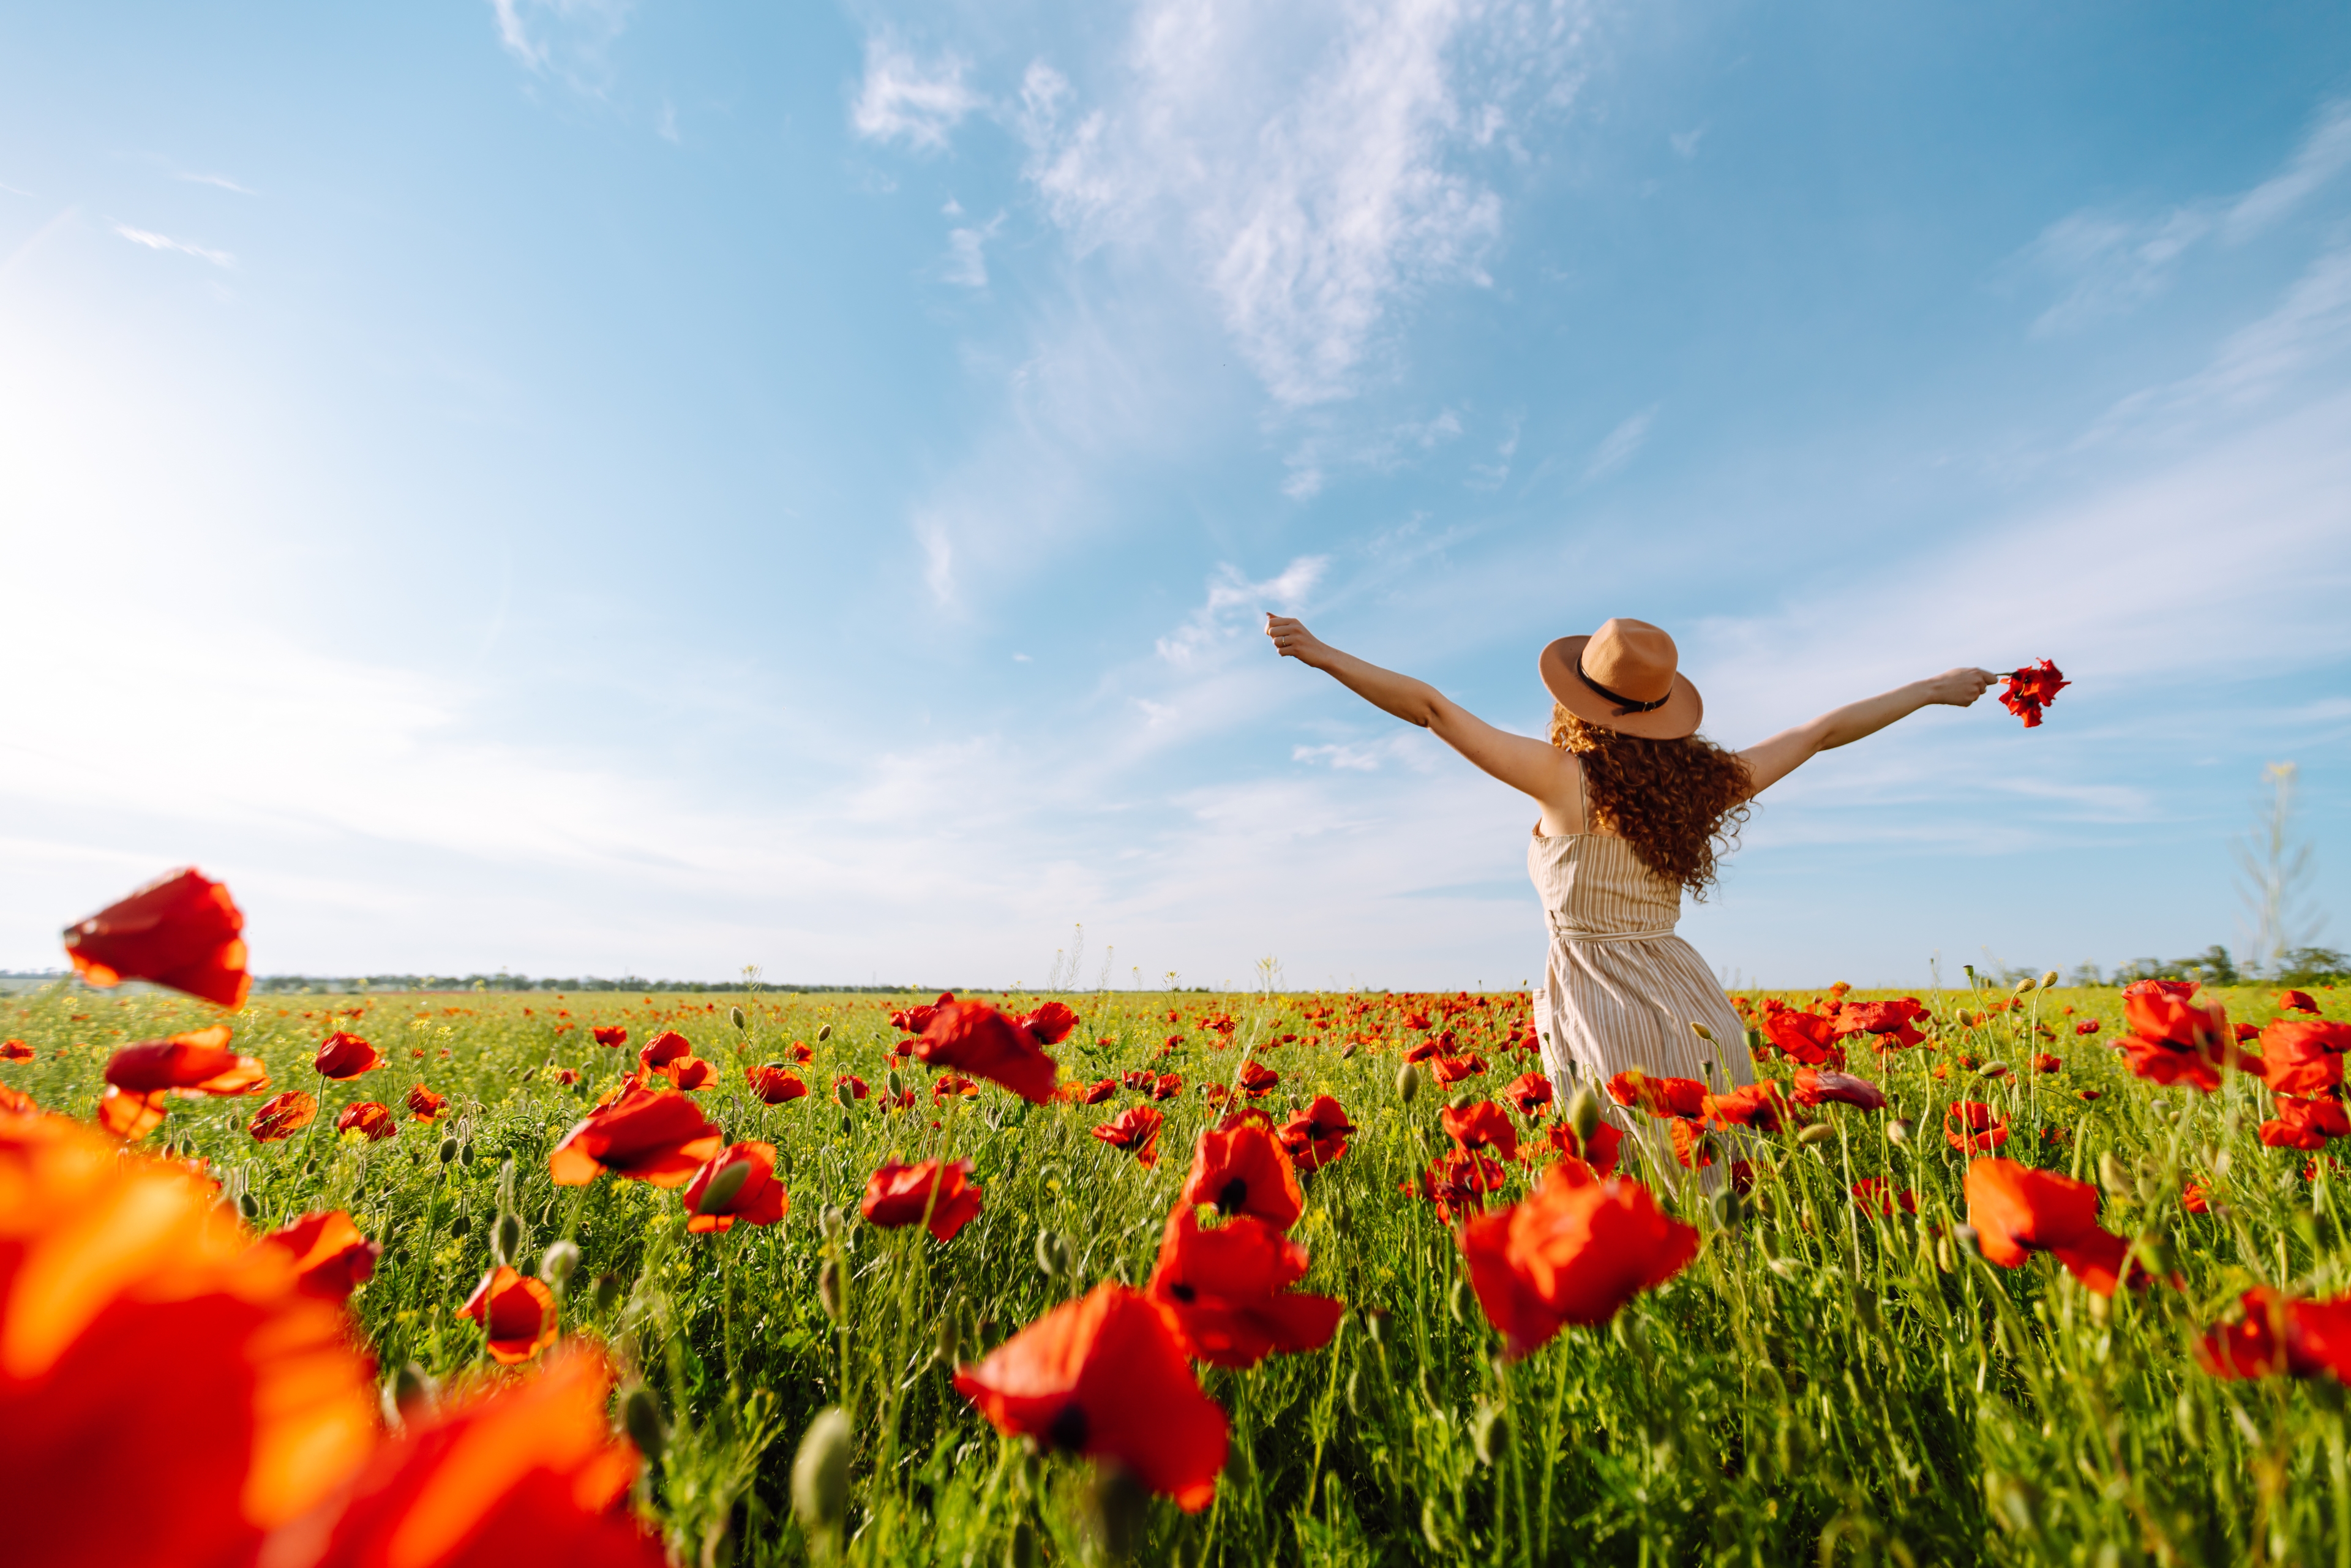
(1958,688)
(1292,640)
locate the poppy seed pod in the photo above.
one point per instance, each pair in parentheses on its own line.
(608,1292)
(735,1016)
(2025,985)
(820,1476)
(1584,1113)
(506,1239)
(1489,1433)
(1118,1509)
(823,1033)
(2048,978)
(448,1150)
(1408,1082)
(641,1417)
(1818,1132)
(830,1291)
(559,1262)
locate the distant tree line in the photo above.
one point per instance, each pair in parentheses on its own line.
(2214,967)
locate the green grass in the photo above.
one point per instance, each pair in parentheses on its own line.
(1819,1385)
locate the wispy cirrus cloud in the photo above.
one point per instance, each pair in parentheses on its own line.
(1620,446)
(1231,595)
(220,182)
(903,99)
(153,241)
(571,38)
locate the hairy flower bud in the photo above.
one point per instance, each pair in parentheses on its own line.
(1899,1131)
(448,1150)
(821,1478)
(831,1290)
(723,1185)
(1118,1508)
(559,1262)
(1701,1031)
(829,1220)
(2048,978)
(735,1016)
(608,1292)
(641,1417)
(1818,1132)
(845,1093)
(1584,1113)
(823,1033)
(505,1237)
(1489,1433)
(1408,1082)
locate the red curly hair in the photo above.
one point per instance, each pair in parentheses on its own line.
(1679,803)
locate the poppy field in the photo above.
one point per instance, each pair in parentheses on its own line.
(2033,1275)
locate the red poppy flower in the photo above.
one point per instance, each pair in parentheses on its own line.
(368,1117)
(689,1072)
(2088,1027)
(2174,1040)
(283,1116)
(2278,1336)
(2044,1063)
(2296,1001)
(899,1195)
(803,1055)
(567,1076)
(1257,1080)
(1049,1024)
(1482,1126)
(1576,1251)
(2302,1057)
(517,1312)
(1531,1093)
(2016,1211)
(611,1034)
(1663,1097)
(1806,1037)
(2195,1200)
(914,1020)
(2305,1123)
(1168,1086)
(1888,1020)
(857,1089)
(135,1311)
(129,1117)
(773,1084)
(182,931)
(1141,1078)
(1316,1136)
(2029,690)
(1240,1166)
(1421,1051)
(425,1104)
(1877,1196)
(1229,1291)
(1599,1157)
(1816,1088)
(343,1057)
(1457,1182)
(1135,1129)
(1091,1094)
(331,1259)
(1971,1127)
(1106,1377)
(664,1048)
(1756,1105)
(717,1196)
(521,1470)
(1451,1070)
(16,1102)
(1415,1020)
(196,1063)
(1693,1150)
(653,1135)
(14,1050)
(974,1038)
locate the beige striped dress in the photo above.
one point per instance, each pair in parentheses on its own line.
(1619,988)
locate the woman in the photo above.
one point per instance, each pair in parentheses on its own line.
(1636,806)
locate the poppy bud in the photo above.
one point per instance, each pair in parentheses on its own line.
(1966,1238)
(1024,1552)
(1118,1509)
(820,1476)
(460,1226)
(1818,1132)
(1408,1082)
(505,1240)
(1346,1051)
(1463,1101)
(1729,1208)
(505,1185)
(1489,1433)
(950,1338)
(823,1033)
(829,1219)
(896,1088)
(1583,1114)
(249,1205)
(1991,1070)
(1355,1391)
(1899,1131)
(1053,1255)
(608,1292)
(408,1391)
(448,1150)
(466,1152)
(829,1294)
(845,1094)
(735,1016)
(2154,1253)
(1946,1259)
(1375,1325)
(2113,1174)
(641,1417)
(1457,1300)
(2025,985)
(2048,978)
(724,1184)
(1701,1031)
(559,1262)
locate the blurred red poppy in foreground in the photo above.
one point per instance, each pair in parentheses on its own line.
(515,1310)
(664,1048)
(1664,1097)
(425,1104)
(1135,1129)
(774,1083)
(331,1259)
(2302,1057)
(2172,1039)
(1240,1166)
(2278,1337)
(1168,1086)
(2305,1123)
(522,1471)
(182,931)
(2030,689)
(1482,1124)
(914,1020)
(1317,1135)
(612,1035)
(739,1182)
(282,1116)
(899,1195)
(2295,1001)
(1258,1080)
(1573,1252)
(976,1038)
(1095,1093)
(343,1057)
(654,1136)
(2017,1211)
(1451,1070)
(1973,1127)
(689,1072)
(14,1050)
(1600,1155)
(1106,1377)
(200,1062)
(1457,1182)
(1756,1105)
(368,1117)
(1877,1196)
(1814,1088)
(1531,1093)
(1229,1291)
(135,1314)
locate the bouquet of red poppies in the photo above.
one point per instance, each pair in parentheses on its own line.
(2030,689)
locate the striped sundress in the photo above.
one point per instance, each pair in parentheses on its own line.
(1619,988)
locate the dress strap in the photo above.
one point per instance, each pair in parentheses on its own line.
(1582,800)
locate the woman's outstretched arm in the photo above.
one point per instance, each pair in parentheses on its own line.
(1771,760)
(1532,767)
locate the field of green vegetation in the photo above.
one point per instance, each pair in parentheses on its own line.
(1827,1381)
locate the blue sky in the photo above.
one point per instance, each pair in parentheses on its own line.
(586,486)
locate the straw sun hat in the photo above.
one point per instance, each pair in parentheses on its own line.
(1622,677)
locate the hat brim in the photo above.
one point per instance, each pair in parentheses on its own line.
(1678,719)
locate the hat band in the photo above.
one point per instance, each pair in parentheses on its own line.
(1627,704)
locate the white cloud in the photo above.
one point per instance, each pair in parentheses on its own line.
(1412,747)
(2324,154)
(966,261)
(222,181)
(904,100)
(166,242)
(1229,592)
(1618,447)
(571,37)
(1684,142)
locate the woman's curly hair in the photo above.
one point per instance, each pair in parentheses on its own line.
(1679,803)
